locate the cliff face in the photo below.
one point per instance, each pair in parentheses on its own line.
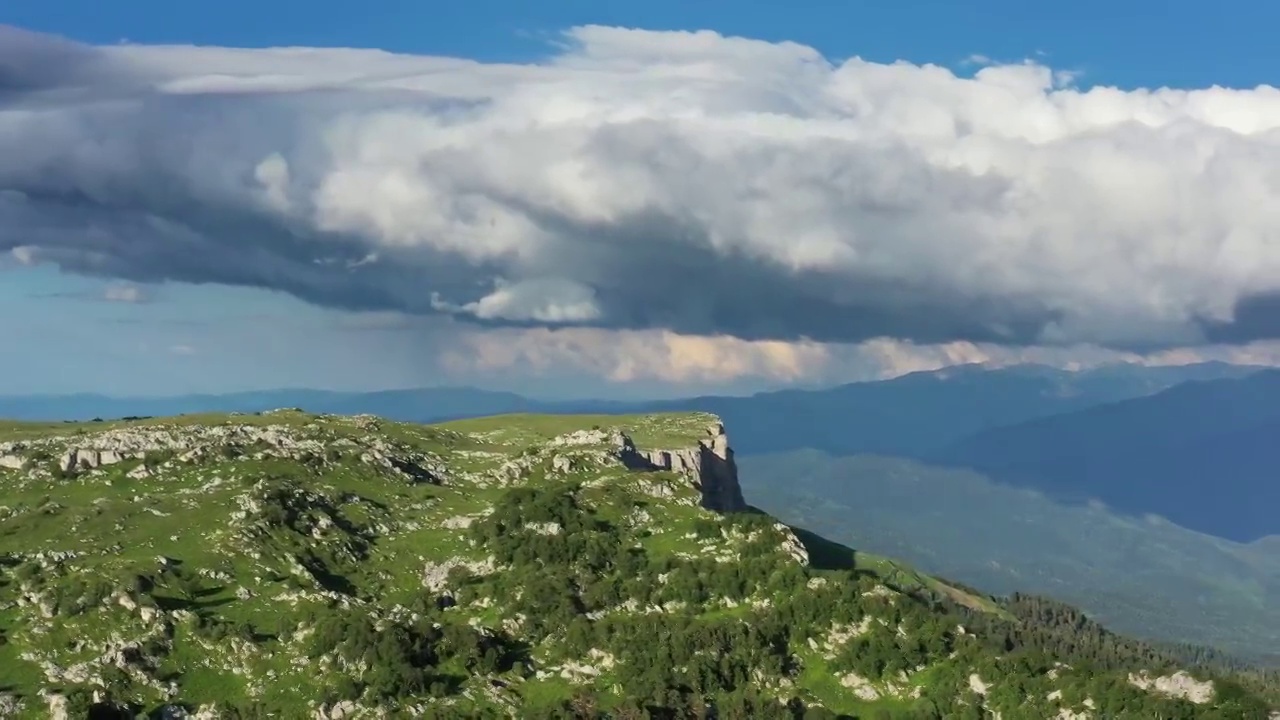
(709,465)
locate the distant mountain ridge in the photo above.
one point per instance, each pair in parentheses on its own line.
(1140,438)
(918,414)
(443,402)
(1202,454)
(912,415)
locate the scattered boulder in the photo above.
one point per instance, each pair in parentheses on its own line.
(1179,685)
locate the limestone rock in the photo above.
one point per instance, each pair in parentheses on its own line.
(1178,685)
(860,686)
(10,706)
(57,706)
(709,464)
(207,712)
(435,576)
(341,710)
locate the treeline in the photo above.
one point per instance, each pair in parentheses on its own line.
(1053,627)
(690,659)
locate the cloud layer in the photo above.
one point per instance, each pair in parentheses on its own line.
(679,183)
(631,356)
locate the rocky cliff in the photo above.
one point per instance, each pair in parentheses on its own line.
(709,464)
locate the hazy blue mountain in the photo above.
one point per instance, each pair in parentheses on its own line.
(418,404)
(910,415)
(1202,454)
(1143,576)
(920,413)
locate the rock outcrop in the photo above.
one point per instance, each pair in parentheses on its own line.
(709,465)
(194,443)
(1179,685)
(92,459)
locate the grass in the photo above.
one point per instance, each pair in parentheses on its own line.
(120,526)
(661,431)
(245,531)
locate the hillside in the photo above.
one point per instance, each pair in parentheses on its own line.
(1202,454)
(1137,575)
(290,565)
(918,414)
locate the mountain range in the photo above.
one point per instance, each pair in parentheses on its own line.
(283,564)
(1203,454)
(911,415)
(985,475)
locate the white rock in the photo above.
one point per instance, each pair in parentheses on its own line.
(1179,685)
(343,709)
(860,686)
(57,706)
(10,706)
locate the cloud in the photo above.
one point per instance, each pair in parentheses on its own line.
(723,363)
(124,294)
(22,255)
(634,356)
(680,184)
(546,300)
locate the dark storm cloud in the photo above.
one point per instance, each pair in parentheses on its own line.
(706,185)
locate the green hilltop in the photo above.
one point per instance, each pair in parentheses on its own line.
(288,565)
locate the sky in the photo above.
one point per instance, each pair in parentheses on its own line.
(628,199)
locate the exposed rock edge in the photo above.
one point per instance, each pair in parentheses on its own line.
(709,465)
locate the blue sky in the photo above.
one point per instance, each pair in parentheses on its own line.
(1187,43)
(71,333)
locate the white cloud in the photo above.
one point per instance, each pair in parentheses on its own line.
(23,255)
(680,182)
(713,363)
(124,294)
(545,300)
(634,356)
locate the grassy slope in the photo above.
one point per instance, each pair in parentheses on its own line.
(1141,576)
(358,536)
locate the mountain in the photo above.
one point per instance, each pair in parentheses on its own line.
(912,415)
(422,405)
(1140,576)
(917,414)
(290,565)
(1201,454)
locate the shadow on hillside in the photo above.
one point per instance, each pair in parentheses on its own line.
(110,711)
(325,577)
(202,599)
(824,554)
